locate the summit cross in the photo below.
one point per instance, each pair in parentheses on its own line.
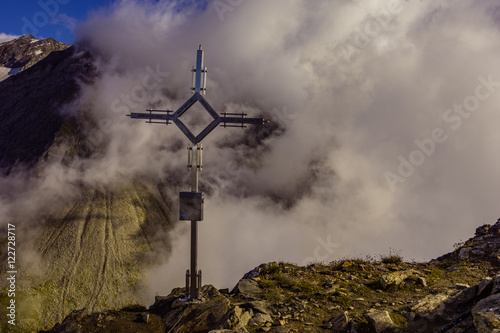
(191,203)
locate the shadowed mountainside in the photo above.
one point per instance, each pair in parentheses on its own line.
(95,246)
(31,102)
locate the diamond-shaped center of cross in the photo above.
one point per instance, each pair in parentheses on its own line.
(198,120)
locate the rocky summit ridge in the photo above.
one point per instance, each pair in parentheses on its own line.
(457,292)
(23,52)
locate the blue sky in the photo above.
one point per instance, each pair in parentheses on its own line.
(47,18)
(57,18)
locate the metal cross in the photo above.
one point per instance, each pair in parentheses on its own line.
(191,203)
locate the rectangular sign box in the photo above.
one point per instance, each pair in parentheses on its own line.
(191,206)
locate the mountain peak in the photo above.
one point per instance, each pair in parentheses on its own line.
(25,37)
(23,52)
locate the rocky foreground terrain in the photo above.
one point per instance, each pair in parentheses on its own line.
(457,292)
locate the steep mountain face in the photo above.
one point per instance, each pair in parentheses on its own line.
(93,250)
(454,293)
(23,52)
(31,102)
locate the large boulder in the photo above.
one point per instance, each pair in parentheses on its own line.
(248,288)
(236,318)
(260,319)
(396,278)
(381,321)
(259,306)
(430,306)
(486,314)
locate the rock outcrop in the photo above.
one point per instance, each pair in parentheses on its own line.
(484,246)
(346,296)
(23,52)
(486,314)
(397,278)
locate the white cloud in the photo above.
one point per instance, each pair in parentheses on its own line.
(66,21)
(6,37)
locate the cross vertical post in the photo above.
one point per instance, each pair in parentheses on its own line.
(191,203)
(200,74)
(195,158)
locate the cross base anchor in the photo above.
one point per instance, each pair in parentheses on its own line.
(193,293)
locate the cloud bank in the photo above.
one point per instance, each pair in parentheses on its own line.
(6,37)
(384,127)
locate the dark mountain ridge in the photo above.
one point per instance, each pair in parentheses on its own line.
(31,101)
(93,246)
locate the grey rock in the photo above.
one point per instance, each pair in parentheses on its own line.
(200,316)
(248,288)
(340,322)
(464,253)
(495,229)
(483,230)
(431,306)
(461,286)
(381,321)
(260,319)
(495,284)
(410,316)
(395,278)
(486,314)
(283,330)
(464,296)
(422,281)
(483,285)
(236,318)
(260,306)
(241,330)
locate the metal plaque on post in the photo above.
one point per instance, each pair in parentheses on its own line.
(191,206)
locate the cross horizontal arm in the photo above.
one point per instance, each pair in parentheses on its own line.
(151,116)
(240,120)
